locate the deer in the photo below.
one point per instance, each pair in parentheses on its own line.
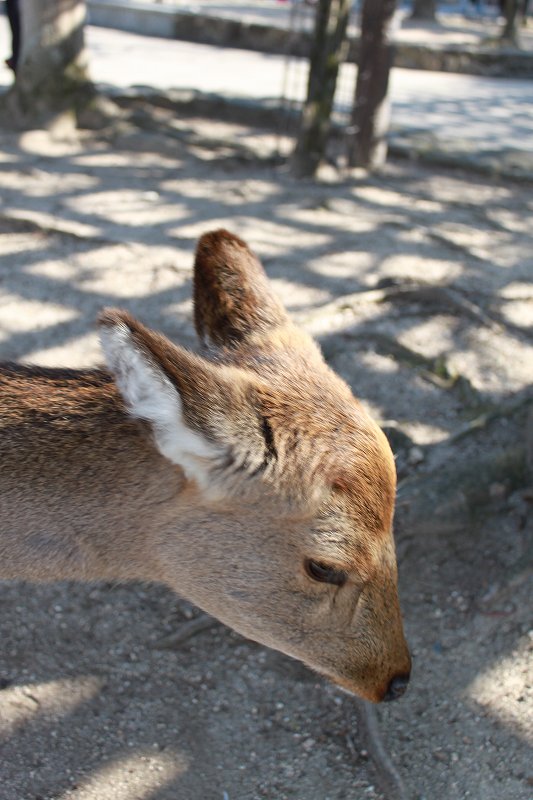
(245,476)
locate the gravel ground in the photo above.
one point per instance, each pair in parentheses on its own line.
(92,706)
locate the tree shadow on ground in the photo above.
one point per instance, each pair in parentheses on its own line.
(115,223)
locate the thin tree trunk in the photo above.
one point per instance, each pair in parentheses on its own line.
(424,9)
(371,111)
(327,54)
(52,74)
(510,30)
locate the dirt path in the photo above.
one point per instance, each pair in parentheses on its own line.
(418,285)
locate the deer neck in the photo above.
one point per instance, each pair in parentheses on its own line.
(84,490)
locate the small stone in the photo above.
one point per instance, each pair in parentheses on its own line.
(415,456)
(497,490)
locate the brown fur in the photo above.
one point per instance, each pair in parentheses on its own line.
(299,471)
(232,297)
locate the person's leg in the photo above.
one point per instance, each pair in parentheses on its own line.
(13,14)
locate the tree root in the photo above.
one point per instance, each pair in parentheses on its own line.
(432,370)
(391,783)
(29,224)
(442,297)
(185,631)
(483,420)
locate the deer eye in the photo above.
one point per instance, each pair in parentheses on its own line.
(325,573)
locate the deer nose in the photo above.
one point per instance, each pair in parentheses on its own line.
(397,687)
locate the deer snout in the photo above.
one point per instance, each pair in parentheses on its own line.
(396,687)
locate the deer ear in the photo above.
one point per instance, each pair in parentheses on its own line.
(202,415)
(233,300)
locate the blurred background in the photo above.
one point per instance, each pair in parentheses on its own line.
(378,157)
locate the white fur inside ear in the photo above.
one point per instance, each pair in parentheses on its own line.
(149,395)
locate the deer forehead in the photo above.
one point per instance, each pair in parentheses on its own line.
(354,522)
(324,427)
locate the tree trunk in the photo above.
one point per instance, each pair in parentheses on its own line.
(510,29)
(424,9)
(51,75)
(371,111)
(327,54)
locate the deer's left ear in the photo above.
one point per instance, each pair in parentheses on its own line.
(233,299)
(203,416)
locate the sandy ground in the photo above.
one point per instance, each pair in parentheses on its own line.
(91,706)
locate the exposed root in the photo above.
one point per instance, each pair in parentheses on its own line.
(32,224)
(185,631)
(440,296)
(391,783)
(483,420)
(444,298)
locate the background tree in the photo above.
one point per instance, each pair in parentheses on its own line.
(371,111)
(510,9)
(424,9)
(327,54)
(52,73)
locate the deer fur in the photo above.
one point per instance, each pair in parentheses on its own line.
(221,475)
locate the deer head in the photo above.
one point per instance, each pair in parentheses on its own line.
(283,527)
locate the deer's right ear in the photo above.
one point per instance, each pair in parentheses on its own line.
(148,391)
(233,300)
(203,415)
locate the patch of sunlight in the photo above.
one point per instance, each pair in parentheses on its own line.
(277,239)
(9,158)
(128,207)
(380,196)
(51,699)
(431,338)
(183,308)
(478,242)
(518,312)
(110,259)
(517,290)
(81,351)
(344,265)
(40,183)
(50,223)
(396,200)
(335,319)
(57,270)
(326,213)
(517,222)
(112,159)
(138,776)
(271,239)
(10,180)
(200,188)
(130,282)
(419,433)
(505,690)
(378,363)
(234,192)
(50,144)
(423,433)
(472,191)
(405,266)
(494,363)
(18,315)
(19,242)
(297,296)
